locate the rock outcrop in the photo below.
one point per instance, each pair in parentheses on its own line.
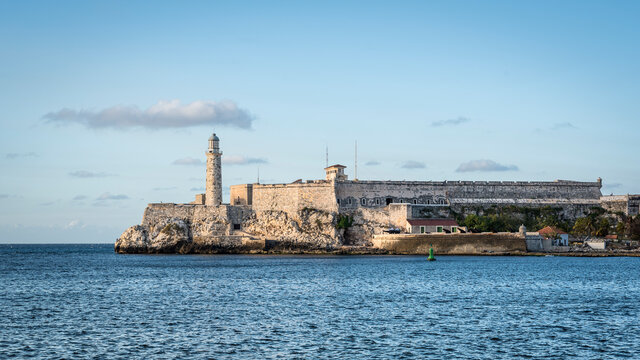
(182,228)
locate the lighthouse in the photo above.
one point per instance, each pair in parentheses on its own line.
(213,193)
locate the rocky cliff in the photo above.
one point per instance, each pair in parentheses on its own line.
(185,228)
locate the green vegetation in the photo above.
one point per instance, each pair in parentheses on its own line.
(628,227)
(598,222)
(344,221)
(595,223)
(509,218)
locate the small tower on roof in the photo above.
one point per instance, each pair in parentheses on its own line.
(213,194)
(335,172)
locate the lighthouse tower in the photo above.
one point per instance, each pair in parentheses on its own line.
(214,172)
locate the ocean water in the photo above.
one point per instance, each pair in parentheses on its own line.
(84,301)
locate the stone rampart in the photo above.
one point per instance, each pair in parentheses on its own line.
(626,204)
(352,194)
(291,198)
(451,244)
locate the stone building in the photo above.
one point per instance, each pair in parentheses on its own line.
(307,214)
(337,193)
(425,226)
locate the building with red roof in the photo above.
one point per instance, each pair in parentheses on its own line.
(560,238)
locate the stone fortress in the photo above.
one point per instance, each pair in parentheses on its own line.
(304,215)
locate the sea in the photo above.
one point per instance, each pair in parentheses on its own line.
(85,301)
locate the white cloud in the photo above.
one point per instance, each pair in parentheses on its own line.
(564,125)
(79,197)
(411,164)
(188,161)
(74,224)
(611,185)
(372,163)
(88,174)
(484,165)
(452,122)
(164,114)
(19,155)
(241,160)
(109,196)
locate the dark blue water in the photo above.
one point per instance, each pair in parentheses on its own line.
(79,301)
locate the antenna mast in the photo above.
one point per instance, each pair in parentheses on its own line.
(356,162)
(258,174)
(326,158)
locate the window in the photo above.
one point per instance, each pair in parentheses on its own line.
(421,229)
(349,201)
(389,201)
(401,201)
(439,229)
(454,229)
(415,201)
(377,201)
(236,226)
(363,201)
(338,201)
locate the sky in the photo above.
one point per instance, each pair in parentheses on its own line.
(106,106)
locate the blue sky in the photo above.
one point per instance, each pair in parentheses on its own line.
(107,106)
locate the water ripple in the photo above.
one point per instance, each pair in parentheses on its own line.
(84,301)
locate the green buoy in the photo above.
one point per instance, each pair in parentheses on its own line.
(431,257)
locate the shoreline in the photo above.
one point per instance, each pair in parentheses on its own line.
(371,251)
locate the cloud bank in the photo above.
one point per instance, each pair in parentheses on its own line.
(564,125)
(20,155)
(611,185)
(109,196)
(484,165)
(188,161)
(241,160)
(451,122)
(413,165)
(88,174)
(164,114)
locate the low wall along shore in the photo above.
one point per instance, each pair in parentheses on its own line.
(451,244)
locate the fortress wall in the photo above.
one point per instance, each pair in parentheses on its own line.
(241,194)
(523,190)
(291,198)
(157,212)
(376,193)
(203,220)
(615,203)
(570,209)
(627,204)
(556,193)
(451,244)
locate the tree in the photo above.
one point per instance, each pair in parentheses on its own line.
(584,226)
(602,227)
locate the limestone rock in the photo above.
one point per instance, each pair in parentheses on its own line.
(133,240)
(170,237)
(305,229)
